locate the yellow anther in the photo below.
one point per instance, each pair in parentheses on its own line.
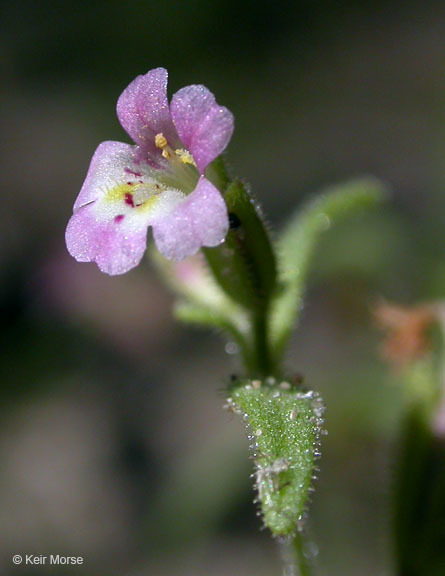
(160,141)
(185,156)
(166,153)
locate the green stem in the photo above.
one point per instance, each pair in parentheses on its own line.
(264,364)
(295,561)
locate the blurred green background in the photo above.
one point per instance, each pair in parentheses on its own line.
(113,444)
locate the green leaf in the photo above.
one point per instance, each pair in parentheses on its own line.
(244,266)
(298,242)
(284,427)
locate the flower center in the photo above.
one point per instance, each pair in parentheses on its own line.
(141,195)
(182,166)
(167,152)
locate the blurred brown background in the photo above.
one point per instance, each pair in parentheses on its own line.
(113,444)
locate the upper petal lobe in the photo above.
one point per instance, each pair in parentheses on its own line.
(204,127)
(143,110)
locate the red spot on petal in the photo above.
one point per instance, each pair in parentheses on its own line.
(129,199)
(119,218)
(130,183)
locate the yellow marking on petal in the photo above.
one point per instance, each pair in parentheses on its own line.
(117,193)
(148,204)
(141,197)
(185,156)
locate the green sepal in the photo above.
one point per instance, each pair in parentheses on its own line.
(284,427)
(244,265)
(299,239)
(216,172)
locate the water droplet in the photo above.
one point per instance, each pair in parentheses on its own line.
(232,348)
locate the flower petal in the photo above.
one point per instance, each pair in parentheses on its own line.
(110,244)
(200,220)
(204,127)
(112,229)
(112,162)
(143,110)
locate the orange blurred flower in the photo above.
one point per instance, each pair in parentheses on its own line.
(407,331)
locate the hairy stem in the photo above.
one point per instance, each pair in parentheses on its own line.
(295,561)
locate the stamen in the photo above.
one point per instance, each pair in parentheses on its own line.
(160,141)
(185,157)
(182,167)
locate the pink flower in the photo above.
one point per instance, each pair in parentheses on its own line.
(158,182)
